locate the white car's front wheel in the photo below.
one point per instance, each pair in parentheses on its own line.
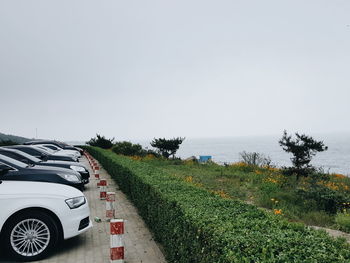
(31,235)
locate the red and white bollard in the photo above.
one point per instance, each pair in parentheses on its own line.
(110,205)
(97,172)
(103,189)
(117,244)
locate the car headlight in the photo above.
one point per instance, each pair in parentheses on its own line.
(70,177)
(75,202)
(77,168)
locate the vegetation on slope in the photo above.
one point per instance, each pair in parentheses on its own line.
(197,225)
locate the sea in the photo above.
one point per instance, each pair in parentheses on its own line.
(227,150)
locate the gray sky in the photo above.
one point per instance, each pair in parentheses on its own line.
(143,69)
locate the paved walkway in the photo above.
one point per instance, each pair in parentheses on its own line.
(93,246)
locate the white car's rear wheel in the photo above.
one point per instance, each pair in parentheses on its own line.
(31,236)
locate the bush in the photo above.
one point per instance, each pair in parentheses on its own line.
(128,149)
(194,225)
(101,141)
(166,147)
(7,143)
(303,148)
(327,199)
(343,221)
(254,158)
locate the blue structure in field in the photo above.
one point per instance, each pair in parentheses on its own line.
(204,158)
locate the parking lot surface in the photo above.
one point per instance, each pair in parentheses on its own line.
(93,246)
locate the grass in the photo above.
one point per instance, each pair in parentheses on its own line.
(195,224)
(304,200)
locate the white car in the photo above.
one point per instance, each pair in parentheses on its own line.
(60,150)
(46,147)
(34,216)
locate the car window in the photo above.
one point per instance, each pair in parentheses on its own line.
(30,151)
(10,161)
(52,147)
(47,150)
(24,155)
(11,155)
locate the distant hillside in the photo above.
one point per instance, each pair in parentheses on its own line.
(18,139)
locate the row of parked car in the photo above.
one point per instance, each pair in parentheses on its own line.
(41,199)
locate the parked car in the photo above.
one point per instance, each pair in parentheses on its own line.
(57,143)
(33,161)
(59,150)
(42,154)
(11,169)
(45,147)
(35,216)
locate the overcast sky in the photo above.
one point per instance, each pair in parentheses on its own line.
(158,68)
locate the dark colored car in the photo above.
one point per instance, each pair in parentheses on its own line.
(31,160)
(41,154)
(13,170)
(57,143)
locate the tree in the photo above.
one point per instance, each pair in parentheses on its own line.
(101,141)
(254,158)
(128,148)
(7,142)
(303,148)
(166,147)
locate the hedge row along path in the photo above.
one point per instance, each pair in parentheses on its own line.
(93,246)
(195,226)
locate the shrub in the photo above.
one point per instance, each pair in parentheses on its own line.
(101,141)
(343,221)
(254,158)
(7,143)
(128,149)
(319,218)
(326,198)
(303,148)
(166,147)
(194,225)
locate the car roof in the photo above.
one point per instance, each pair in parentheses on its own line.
(12,162)
(26,155)
(26,146)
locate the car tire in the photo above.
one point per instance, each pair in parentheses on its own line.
(31,235)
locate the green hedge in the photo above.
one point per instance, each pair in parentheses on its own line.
(196,226)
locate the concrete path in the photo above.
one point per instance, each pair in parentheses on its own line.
(93,246)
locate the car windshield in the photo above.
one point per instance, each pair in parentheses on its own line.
(28,156)
(12,162)
(44,149)
(51,147)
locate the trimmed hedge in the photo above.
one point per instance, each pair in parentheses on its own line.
(196,226)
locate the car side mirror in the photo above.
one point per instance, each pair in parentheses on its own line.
(4,169)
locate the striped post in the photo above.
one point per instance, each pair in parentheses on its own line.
(97,172)
(110,205)
(117,244)
(103,189)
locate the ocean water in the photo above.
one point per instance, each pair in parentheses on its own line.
(336,159)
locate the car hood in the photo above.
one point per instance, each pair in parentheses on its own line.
(51,169)
(25,188)
(64,153)
(64,163)
(63,156)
